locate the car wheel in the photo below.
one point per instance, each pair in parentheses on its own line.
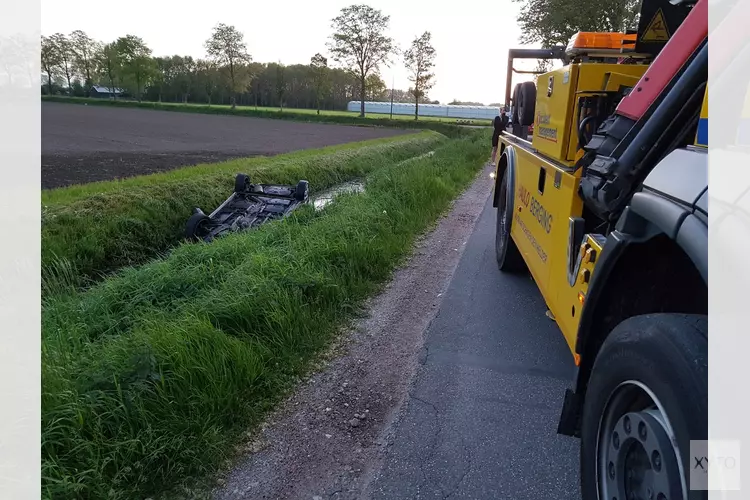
(197,227)
(241,183)
(301,191)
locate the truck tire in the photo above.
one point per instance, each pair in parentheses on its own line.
(648,389)
(508,256)
(514,108)
(526,103)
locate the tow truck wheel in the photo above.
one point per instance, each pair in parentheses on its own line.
(647,398)
(508,257)
(241,183)
(514,109)
(526,103)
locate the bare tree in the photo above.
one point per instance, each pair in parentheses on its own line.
(10,56)
(360,42)
(319,69)
(85,49)
(26,49)
(50,59)
(66,56)
(110,63)
(227,46)
(184,75)
(207,73)
(420,60)
(280,84)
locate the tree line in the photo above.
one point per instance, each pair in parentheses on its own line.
(17,60)
(554,22)
(74,63)
(359,43)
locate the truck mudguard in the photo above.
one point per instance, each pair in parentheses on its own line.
(649,215)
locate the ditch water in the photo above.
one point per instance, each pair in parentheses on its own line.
(324,198)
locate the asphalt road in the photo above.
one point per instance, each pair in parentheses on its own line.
(482,414)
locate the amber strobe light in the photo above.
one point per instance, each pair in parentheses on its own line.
(591,41)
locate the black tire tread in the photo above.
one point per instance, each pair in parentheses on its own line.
(192,224)
(671,350)
(300,192)
(516,99)
(511,261)
(527,101)
(241,183)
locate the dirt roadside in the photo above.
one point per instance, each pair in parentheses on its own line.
(327,440)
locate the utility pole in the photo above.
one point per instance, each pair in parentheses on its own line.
(393,82)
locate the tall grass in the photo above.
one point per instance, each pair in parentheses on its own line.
(149,377)
(447,126)
(93,229)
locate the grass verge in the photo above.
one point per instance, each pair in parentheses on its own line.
(151,376)
(96,228)
(449,127)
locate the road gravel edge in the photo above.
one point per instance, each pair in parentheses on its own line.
(329,438)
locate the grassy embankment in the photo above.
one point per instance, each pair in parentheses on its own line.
(151,376)
(443,125)
(97,228)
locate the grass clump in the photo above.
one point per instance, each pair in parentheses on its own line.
(150,376)
(97,228)
(447,126)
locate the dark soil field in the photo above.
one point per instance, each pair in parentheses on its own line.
(94,143)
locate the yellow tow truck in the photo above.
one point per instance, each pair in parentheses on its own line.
(606,206)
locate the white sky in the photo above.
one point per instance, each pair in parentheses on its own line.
(471,37)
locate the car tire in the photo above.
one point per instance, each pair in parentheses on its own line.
(197,226)
(301,191)
(648,389)
(241,183)
(509,258)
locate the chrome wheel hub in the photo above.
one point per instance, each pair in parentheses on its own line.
(638,458)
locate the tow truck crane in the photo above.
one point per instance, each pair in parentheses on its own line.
(606,207)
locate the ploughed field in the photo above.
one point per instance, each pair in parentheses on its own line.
(83,144)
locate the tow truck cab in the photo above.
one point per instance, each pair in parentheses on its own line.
(606,207)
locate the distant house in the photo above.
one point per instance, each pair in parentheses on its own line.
(105,92)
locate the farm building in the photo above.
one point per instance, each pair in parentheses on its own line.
(442,110)
(105,92)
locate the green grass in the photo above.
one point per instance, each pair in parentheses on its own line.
(150,377)
(97,228)
(446,126)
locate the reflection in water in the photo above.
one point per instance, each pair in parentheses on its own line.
(324,198)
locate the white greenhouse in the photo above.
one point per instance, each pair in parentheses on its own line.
(441,110)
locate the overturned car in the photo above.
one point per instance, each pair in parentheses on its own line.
(249,206)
